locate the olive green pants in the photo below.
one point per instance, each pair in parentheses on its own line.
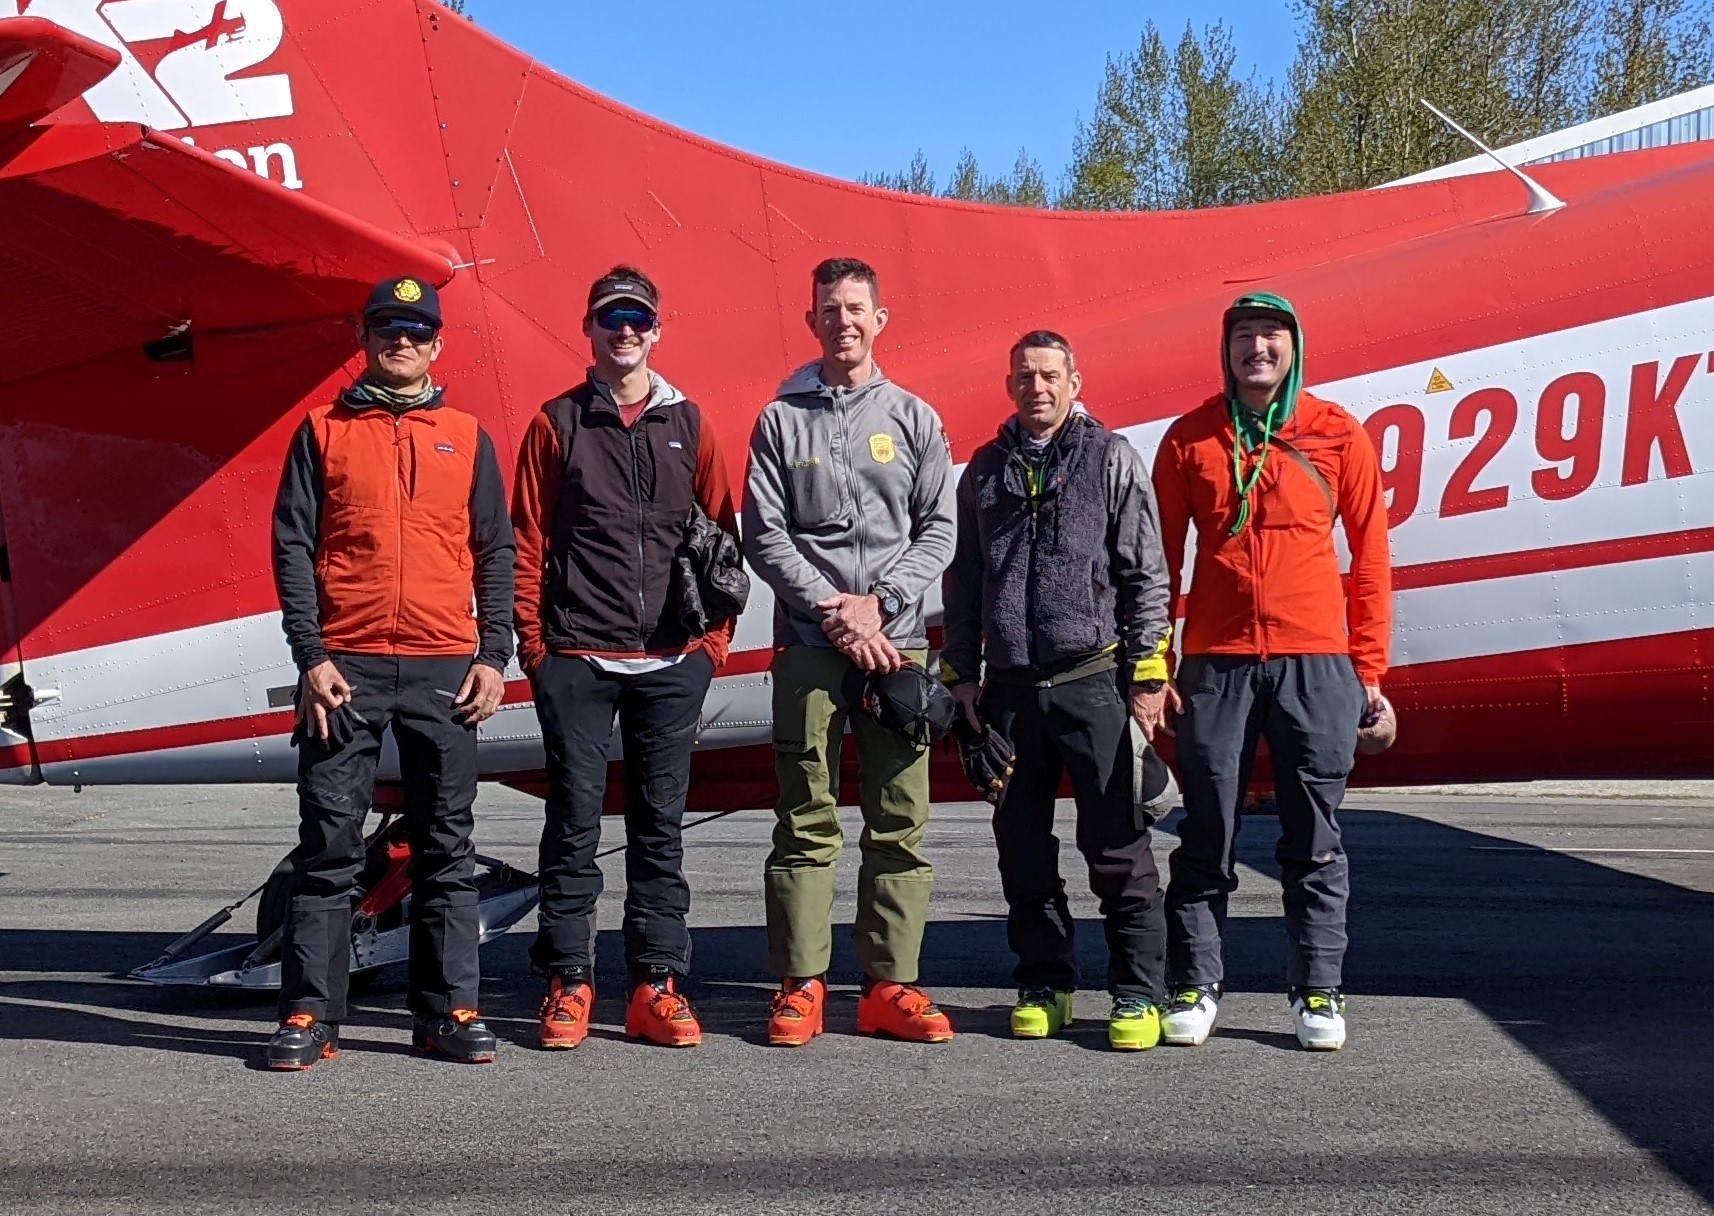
(893,882)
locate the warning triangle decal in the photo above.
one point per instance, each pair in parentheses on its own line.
(1438,383)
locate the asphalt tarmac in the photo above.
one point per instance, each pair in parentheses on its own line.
(1532,1014)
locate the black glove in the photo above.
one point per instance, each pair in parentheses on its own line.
(988,758)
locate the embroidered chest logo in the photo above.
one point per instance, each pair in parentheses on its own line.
(447,448)
(882,449)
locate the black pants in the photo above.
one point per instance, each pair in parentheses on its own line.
(437,762)
(1079,727)
(658,715)
(1308,707)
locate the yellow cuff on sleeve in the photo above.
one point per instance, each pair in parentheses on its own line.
(1154,667)
(1149,669)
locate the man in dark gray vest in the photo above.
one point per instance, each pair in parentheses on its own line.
(1059,588)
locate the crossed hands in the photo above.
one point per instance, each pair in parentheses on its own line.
(853,624)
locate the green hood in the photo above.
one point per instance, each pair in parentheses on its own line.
(1265,302)
(1253,430)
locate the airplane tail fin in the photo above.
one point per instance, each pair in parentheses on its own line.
(44,66)
(168,309)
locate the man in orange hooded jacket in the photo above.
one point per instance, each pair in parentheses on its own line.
(1274,646)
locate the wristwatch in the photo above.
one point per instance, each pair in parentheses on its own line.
(892,603)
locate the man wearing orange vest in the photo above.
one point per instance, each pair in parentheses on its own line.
(391,518)
(1275,647)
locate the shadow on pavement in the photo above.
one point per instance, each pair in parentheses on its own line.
(1607,977)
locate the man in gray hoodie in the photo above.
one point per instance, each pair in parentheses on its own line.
(848,516)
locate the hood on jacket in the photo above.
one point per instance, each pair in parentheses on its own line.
(660,392)
(806,382)
(1264,303)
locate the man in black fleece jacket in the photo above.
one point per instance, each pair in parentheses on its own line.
(1059,587)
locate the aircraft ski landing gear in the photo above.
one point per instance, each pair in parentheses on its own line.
(380,919)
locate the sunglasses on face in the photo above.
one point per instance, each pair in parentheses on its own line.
(420,333)
(617,316)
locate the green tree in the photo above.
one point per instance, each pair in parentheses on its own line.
(1649,50)
(915,180)
(1117,154)
(1026,187)
(1361,69)
(1176,129)
(966,182)
(1509,70)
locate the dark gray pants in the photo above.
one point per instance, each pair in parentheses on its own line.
(1080,728)
(437,765)
(1308,708)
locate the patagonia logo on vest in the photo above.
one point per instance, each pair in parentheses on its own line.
(447,448)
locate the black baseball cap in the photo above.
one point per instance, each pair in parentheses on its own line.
(406,297)
(611,288)
(910,702)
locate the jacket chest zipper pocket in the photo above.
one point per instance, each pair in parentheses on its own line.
(816,491)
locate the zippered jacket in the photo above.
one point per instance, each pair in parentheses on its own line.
(387,525)
(1275,587)
(599,509)
(1058,564)
(849,489)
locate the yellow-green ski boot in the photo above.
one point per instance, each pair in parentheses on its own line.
(1040,1013)
(1135,1026)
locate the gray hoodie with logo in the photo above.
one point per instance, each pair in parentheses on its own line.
(849,490)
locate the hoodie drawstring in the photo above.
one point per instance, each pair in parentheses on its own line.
(1247,484)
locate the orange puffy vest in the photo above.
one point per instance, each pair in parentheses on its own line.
(394,567)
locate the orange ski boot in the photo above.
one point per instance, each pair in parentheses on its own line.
(565,1013)
(660,1014)
(796,1015)
(901,1011)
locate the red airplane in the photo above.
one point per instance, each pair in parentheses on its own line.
(1541,385)
(220,28)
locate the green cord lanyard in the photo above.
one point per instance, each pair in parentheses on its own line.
(1245,486)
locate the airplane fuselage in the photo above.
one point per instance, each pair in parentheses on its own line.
(1540,388)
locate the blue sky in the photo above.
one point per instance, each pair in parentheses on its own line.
(847,88)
